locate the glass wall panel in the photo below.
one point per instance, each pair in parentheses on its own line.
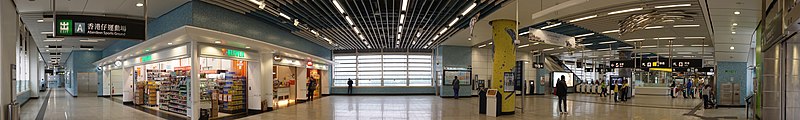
(383,69)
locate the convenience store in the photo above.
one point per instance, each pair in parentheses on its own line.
(236,75)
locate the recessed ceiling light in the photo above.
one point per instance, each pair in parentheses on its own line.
(169,43)
(47,50)
(40,20)
(139,4)
(734,24)
(217,41)
(737,12)
(147,50)
(734,32)
(732,48)
(248,47)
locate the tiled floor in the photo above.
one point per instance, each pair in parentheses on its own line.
(63,106)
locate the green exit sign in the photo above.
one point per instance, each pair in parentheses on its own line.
(64,27)
(235,53)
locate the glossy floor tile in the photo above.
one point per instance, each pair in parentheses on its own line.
(62,106)
(536,107)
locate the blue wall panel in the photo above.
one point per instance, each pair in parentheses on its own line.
(732,72)
(455,56)
(176,18)
(81,61)
(220,19)
(119,45)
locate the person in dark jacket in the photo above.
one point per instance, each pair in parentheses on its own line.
(455,87)
(561,92)
(349,86)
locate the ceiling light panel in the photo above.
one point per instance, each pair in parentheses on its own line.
(624,11)
(671,6)
(583,18)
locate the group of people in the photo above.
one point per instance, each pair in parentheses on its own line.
(688,90)
(620,91)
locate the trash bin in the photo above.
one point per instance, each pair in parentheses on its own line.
(482,103)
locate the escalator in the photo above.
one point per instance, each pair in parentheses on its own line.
(553,63)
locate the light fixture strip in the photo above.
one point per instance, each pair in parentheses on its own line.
(610,31)
(469,9)
(608,42)
(338,7)
(633,40)
(550,26)
(654,27)
(670,6)
(584,35)
(683,26)
(405,5)
(624,11)
(443,30)
(583,18)
(453,22)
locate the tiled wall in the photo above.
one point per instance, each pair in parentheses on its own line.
(455,56)
(732,72)
(178,17)
(81,61)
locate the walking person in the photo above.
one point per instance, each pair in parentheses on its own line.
(349,86)
(455,87)
(561,92)
(603,88)
(689,91)
(312,85)
(707,97)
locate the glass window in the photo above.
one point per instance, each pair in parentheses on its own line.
(383,69)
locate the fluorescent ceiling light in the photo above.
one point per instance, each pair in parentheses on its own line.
(651,46)
(491,43)
(610,31)
(217,41)
(737,12)
(624,47)
(435,37)
(405,5)
(588,44)
(654,27)
(732,48)
(694,37)
(40,20)
(633,40)
(54,39)
(425,46)
(47,33)
(349,20)
(92,40)
(357,31)
(443,30)
(607,42)
(365,42)
(361,36)
(734,24)
(687,53)
(399,29)
(402,18)
(624,11)
(430,42)
(453,22)
(525,45)
(284,16)
(678,5)
(314,32)
(468,9)
(549,26)
(734,32)
(665,38)
(484,45)
(584,35)
(549,49)
(398,37)
(419,34)
(583,18)
(682,26)
(139,4)
(369,46)
(338,7)
(523,33)
(699,45)
(604,49)
(674,45)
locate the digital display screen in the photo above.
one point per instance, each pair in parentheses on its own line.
(567,78)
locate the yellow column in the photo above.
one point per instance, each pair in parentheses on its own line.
(503,34)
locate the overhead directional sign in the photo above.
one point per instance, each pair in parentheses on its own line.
(657,63)
(98,26)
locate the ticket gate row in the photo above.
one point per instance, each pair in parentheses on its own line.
(588,88)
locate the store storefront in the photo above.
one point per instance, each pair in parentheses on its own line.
(192,70)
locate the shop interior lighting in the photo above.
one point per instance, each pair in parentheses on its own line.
(624,11)
(610,31)
(550,26)
(549,49)
(284,16)
(694,37)
(92,40)
(604,49)
(699,45)
(40,20)
(469,9)
(588,44)
(584,35)
(670,6)
(683,26)
(338,7)
(633,40)
(583,18)
(654,27)
(608,42)
(491,43)
(453,22)
(248,47)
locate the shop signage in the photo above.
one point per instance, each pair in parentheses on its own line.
(234,53)
(146,58)
(97,26)
(547,37)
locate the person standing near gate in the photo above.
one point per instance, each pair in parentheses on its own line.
(455,87)
(561,92)
(349,86)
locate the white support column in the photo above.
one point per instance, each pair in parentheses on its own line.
(267,80)
(194,84)
(8,39)
(33,61)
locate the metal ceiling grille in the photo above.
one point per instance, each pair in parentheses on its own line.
(378,21)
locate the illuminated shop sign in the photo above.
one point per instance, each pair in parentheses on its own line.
(234,53)
(146,58)
(96,26)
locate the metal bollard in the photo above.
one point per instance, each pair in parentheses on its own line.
(13,111)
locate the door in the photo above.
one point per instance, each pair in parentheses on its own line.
(87,82)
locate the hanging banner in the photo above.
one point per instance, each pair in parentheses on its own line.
(547,37)
(97,26)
